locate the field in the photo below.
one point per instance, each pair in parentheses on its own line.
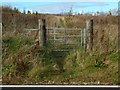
(25,62)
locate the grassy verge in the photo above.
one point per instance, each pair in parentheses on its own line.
(23,64)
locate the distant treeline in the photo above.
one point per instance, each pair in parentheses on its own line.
(12,19)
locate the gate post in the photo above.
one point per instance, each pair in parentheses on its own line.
(42,32)
(89,27)
(85,39)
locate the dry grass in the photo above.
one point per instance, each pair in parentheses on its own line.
(24,62)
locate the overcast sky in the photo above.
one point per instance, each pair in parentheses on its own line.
(58,7)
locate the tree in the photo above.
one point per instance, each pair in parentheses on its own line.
(36,13)
(16,10)
(98,12)
(29,12)
(33,13)
(110,13)
(24,12)
(70,11)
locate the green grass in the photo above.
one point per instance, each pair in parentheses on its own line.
(46,66)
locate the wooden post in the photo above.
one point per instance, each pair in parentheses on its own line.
(42,32)
(89,27)
(14,22)
(1,38)
(65,36)
(39,35)
(0,51)
(84,38)
(54,35)
(81,39)
(0,42)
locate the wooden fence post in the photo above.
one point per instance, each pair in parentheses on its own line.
(1,41)
(1,37)
(42,32)
(81,39)
(85,39)
(0,51)
(89,27)
(65,36)
(14,22)
(54,35)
